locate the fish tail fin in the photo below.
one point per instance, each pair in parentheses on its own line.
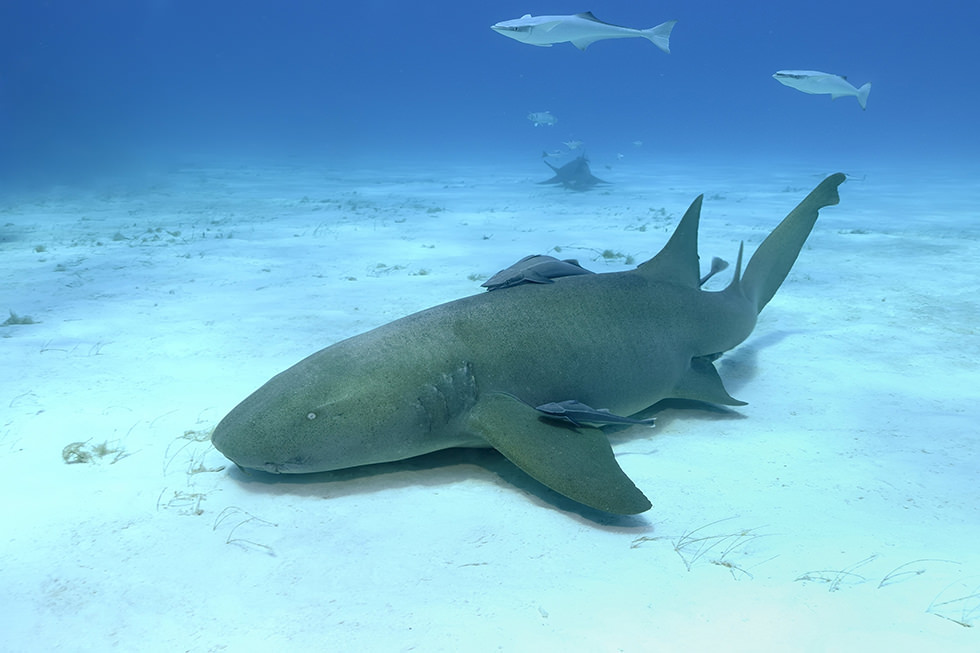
(660,35)
(772,261)
(862,95)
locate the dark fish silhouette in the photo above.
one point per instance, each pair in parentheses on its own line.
(574,175)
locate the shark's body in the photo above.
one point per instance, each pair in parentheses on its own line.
(581,30)
(469,373)
(574,175)
(818,83)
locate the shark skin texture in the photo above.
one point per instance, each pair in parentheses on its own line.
(470,372)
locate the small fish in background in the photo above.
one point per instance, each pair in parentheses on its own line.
(573,144)
(637,143)
(818,83)
(581,30)
(553,154)
(542,118)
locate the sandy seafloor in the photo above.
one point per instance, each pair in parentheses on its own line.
(838,510)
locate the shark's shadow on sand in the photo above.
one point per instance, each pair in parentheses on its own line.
(574,175)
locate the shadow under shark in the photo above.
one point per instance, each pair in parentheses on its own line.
(471,372)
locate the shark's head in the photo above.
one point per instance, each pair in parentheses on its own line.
(327,412)
(342,407)
(519,29)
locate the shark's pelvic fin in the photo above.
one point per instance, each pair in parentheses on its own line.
(772,261)
(702,383)
(578,463)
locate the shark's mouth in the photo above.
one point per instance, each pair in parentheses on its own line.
(295,466)
(275,468)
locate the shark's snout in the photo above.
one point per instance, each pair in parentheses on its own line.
(254,443)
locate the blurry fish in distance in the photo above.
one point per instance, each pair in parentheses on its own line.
(581,30)
(818,83)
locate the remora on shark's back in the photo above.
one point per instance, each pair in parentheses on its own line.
(581,30)
(517,368)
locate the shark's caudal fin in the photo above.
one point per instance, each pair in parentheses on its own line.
(660,35)
(862,95)
(772,261)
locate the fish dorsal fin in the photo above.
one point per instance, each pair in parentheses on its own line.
(678,260)
(587,15)
(734,286)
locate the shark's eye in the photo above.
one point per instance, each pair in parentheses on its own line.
(311,416)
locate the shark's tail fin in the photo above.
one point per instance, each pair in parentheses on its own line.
(862,95)
(772,261)
(660,35)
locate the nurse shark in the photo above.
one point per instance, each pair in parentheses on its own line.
(533,370)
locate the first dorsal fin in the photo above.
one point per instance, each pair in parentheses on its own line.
(678,260)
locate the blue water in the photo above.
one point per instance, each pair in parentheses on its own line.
(107,87)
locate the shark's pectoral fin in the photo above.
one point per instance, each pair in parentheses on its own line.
(581,44)
(576,463)
(702,383)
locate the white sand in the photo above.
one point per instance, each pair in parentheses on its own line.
(837,510)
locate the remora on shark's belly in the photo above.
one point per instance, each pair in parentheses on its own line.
(470,372)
